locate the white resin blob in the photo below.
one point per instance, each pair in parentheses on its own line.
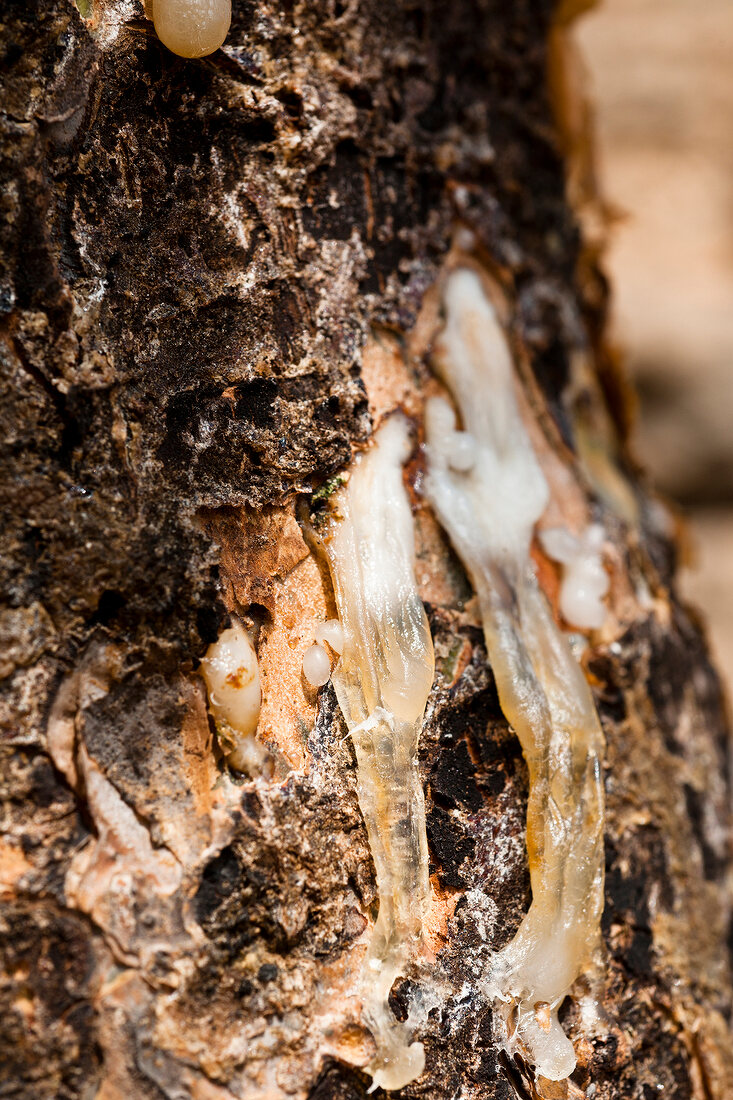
(584,580)
(232,676)
(331,633)
(316,666)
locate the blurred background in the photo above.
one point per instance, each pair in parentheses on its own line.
(661,79)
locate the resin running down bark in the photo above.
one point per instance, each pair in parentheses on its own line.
(489,512)
(382,683)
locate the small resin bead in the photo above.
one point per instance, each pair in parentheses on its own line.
(316,666)
(331,633)
(232,677)
(585,582)
(192,28)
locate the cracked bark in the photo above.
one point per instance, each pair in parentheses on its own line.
(209,270)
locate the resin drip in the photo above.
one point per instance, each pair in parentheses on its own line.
(489,512)
(382,681)
(232,677)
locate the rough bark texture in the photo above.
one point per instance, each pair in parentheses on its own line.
(196,255)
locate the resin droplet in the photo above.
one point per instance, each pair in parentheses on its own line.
(585,581)
(331,633)
(192,28)
(232,677)
(316,666)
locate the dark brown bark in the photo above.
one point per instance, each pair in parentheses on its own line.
(195,256)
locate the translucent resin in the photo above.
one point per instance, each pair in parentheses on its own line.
(192,28)
(382,681)
(489,512)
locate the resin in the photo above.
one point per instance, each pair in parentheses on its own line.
(489,513)
(382,681)
(192,28)
(232,676)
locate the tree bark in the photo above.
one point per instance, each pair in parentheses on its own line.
(217,277)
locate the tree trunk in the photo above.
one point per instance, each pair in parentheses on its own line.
(218,277)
